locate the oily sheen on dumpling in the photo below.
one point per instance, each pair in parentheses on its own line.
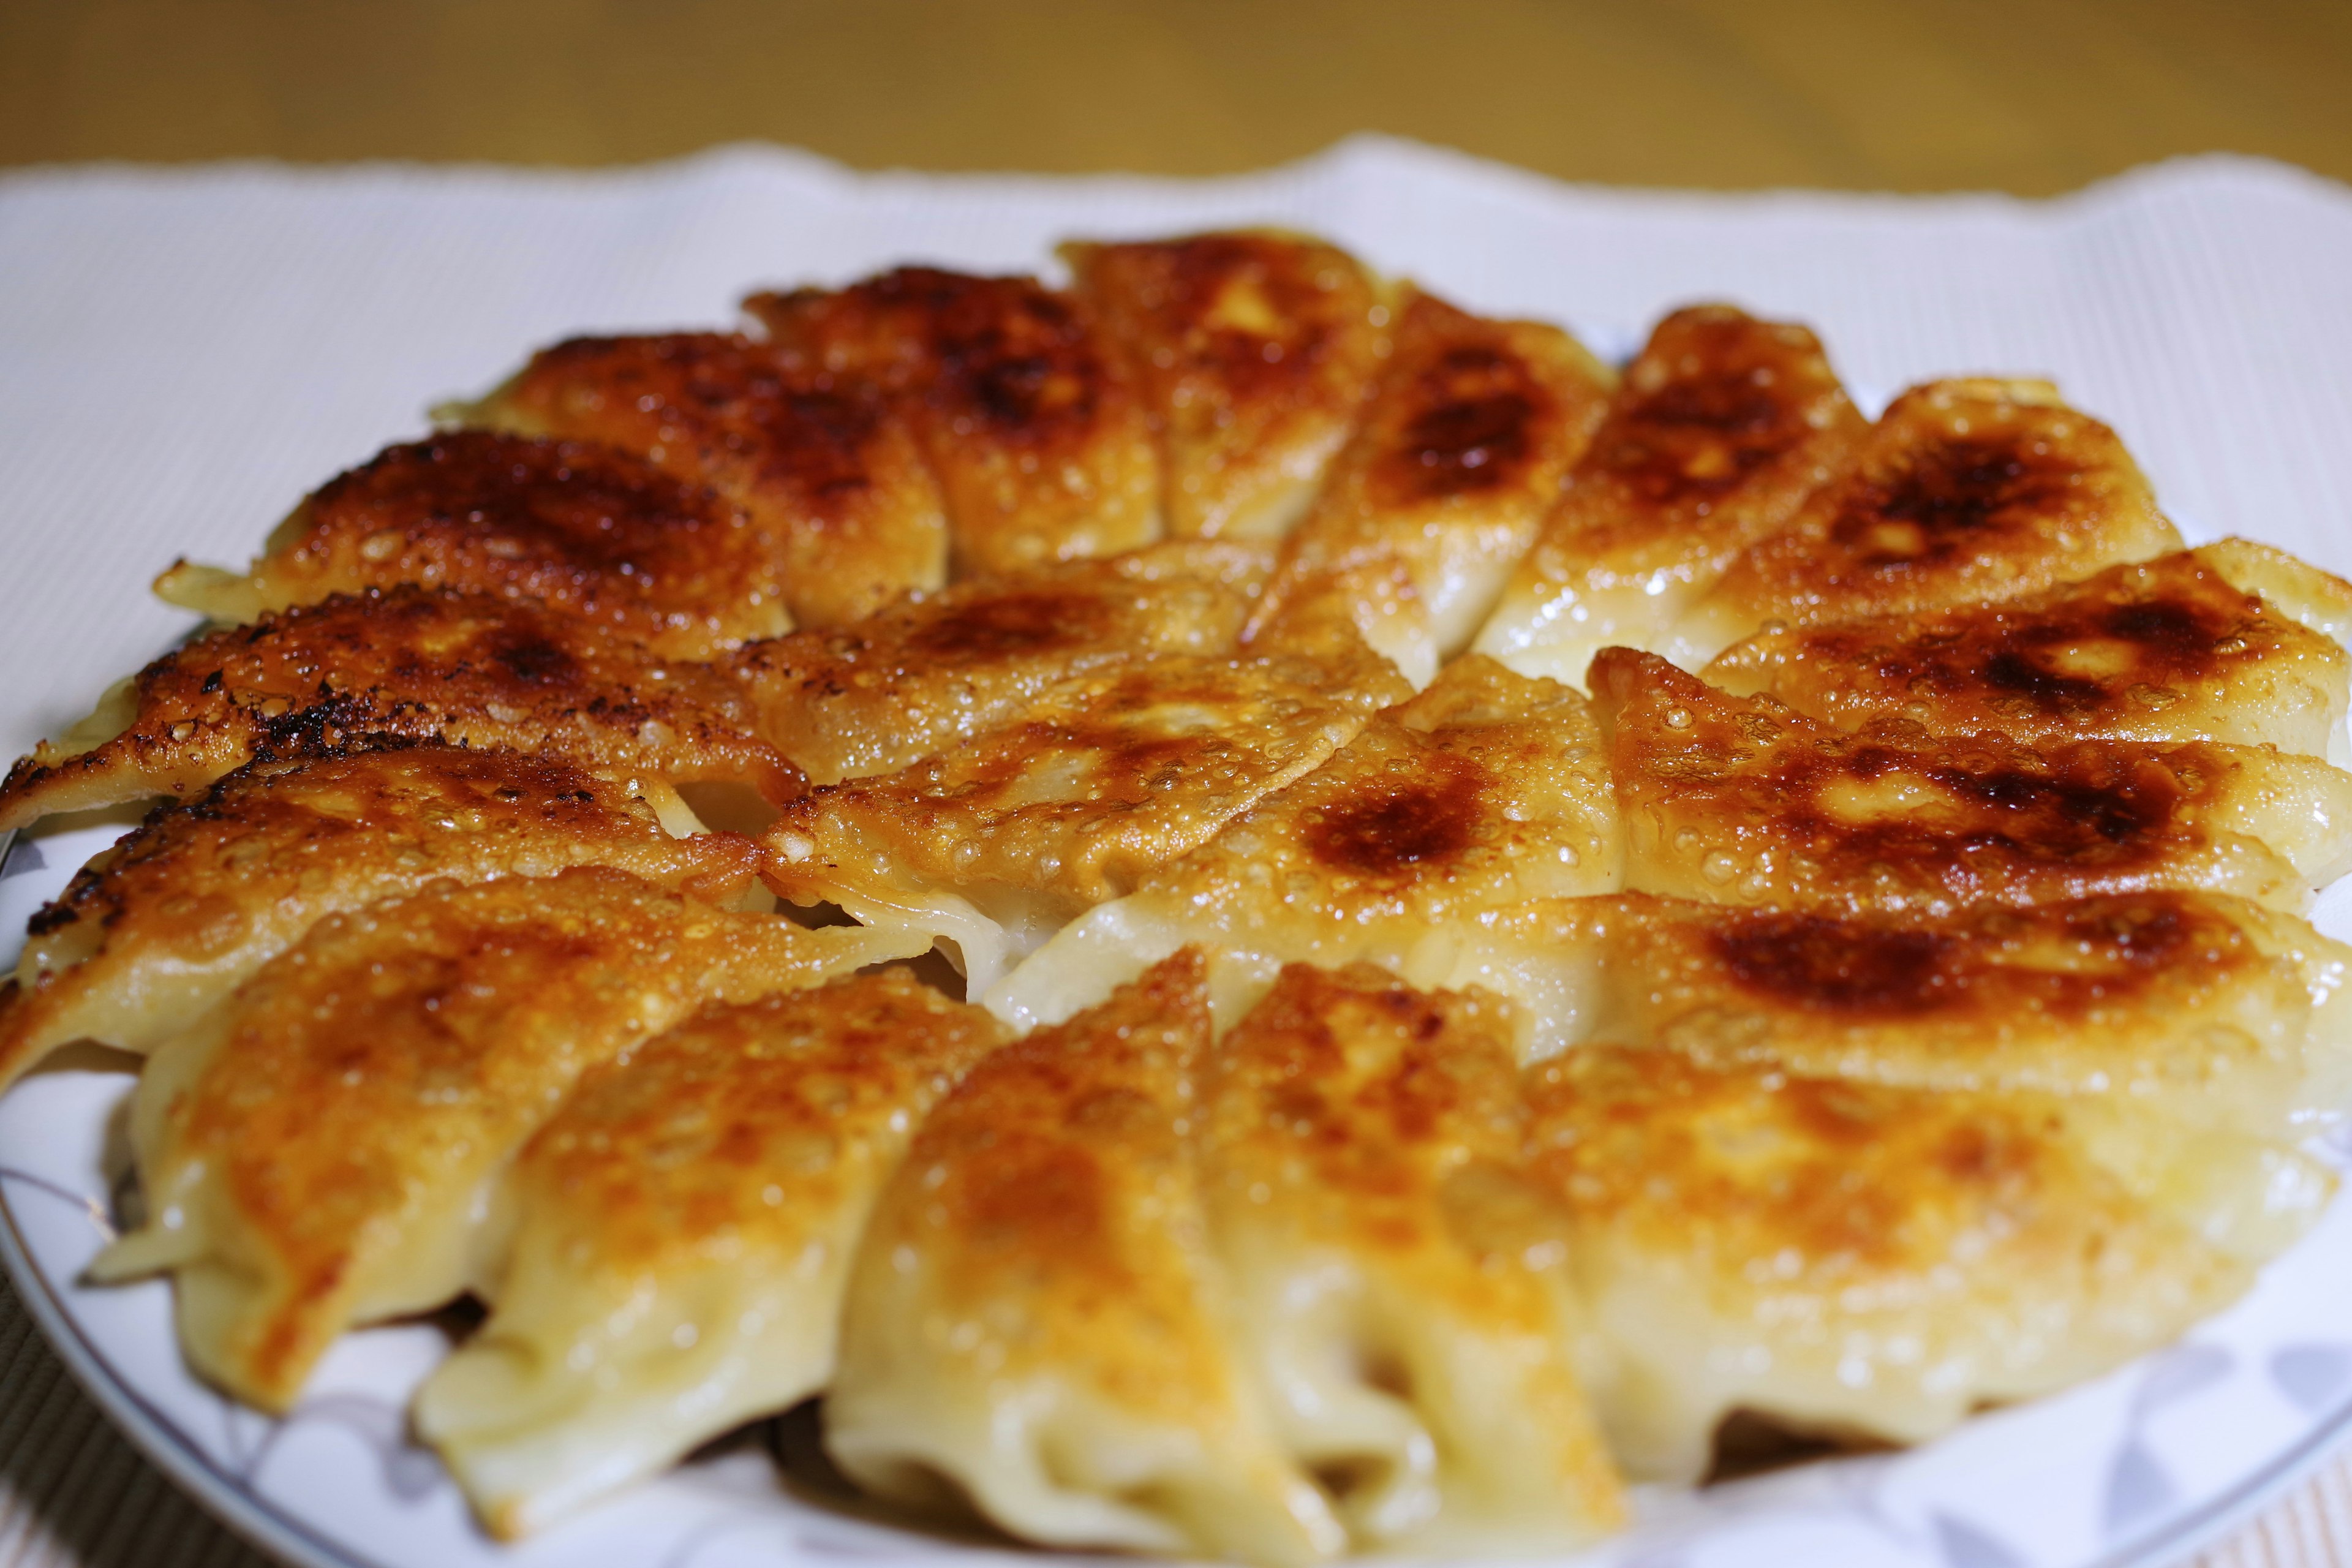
(1402,1286)
(681,1235)
(175,916)
(314,1152)
(1485,790)
(1036,1325)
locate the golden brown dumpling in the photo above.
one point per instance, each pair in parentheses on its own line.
(931,670)
(1401,1284)
(1487,789)
(1254,351)
(1459,457)
(587,529)
(412,664)
(316,1151)
(1030,419)
(1104,777)
(1964,490)
(1741,800)
(1035,1323)
(682,1234)
(1721,428)
(175,917)
(834,482)
(2168,649)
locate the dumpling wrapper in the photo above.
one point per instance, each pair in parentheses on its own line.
(993,846)
(409,663)
(1964,492)
(315,1151)
(1458,458)
(1741,800)
(169,921)
(1035,1323)
(1721,428)
(1401,1282)
(1852,1260)
(1031,420)
(833,480)
(2207,1014)
(585,529)
(1254,351)
(2169,649)
(1485,790)
(682,1235)
(931,669)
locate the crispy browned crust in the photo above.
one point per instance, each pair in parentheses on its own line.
(586,529)
(1973,489)
(1254,351)
(913,678)
(470,668)
(2166,649)
(1741,800)
(1460,454)
(1030,419)
(841,499)
(172,917)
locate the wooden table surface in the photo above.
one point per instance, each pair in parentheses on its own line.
(2026,96)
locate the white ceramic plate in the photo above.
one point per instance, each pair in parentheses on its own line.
(2136,1468)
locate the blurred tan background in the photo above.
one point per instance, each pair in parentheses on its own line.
(2029,96)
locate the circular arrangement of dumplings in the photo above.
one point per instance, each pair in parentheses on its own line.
(1509,919)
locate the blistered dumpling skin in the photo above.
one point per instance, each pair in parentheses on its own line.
(931,670)
(2320,600)
(2206,1014)
(1964,492)
(1854,1260)
(1254,351)
(1402,1284)
(1485,790)
(1742,800)
(1459,457)
(410,663)
(835,484)
(1030,418)
(682,1234)
(1721,428)
(1035,1323)
(2168,649)
(171,920)
(314,1150)
(585,529)
(991,846)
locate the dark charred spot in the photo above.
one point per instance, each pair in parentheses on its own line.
(212,683)
(1466,444)
(536,661)
(820,440)
(1399,825)
(2013,670)
(1932,509)
(1696,437)
(1835,965)
(1006,626)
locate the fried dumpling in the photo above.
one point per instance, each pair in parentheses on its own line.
(1485,790)
(1104,777)
(1400,1282)
(2168,649)
(2320,600)
(1459,457)
(1254,352)
(470,668)
(586,530)
(1035,1323)
(1721,428)
(1964,490)
(1030,419)
(834,482)
(931,670)
(175,917)
(2210,1013)
(1852,1260)
(315,1152)
(1741,800)
(682,1235)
